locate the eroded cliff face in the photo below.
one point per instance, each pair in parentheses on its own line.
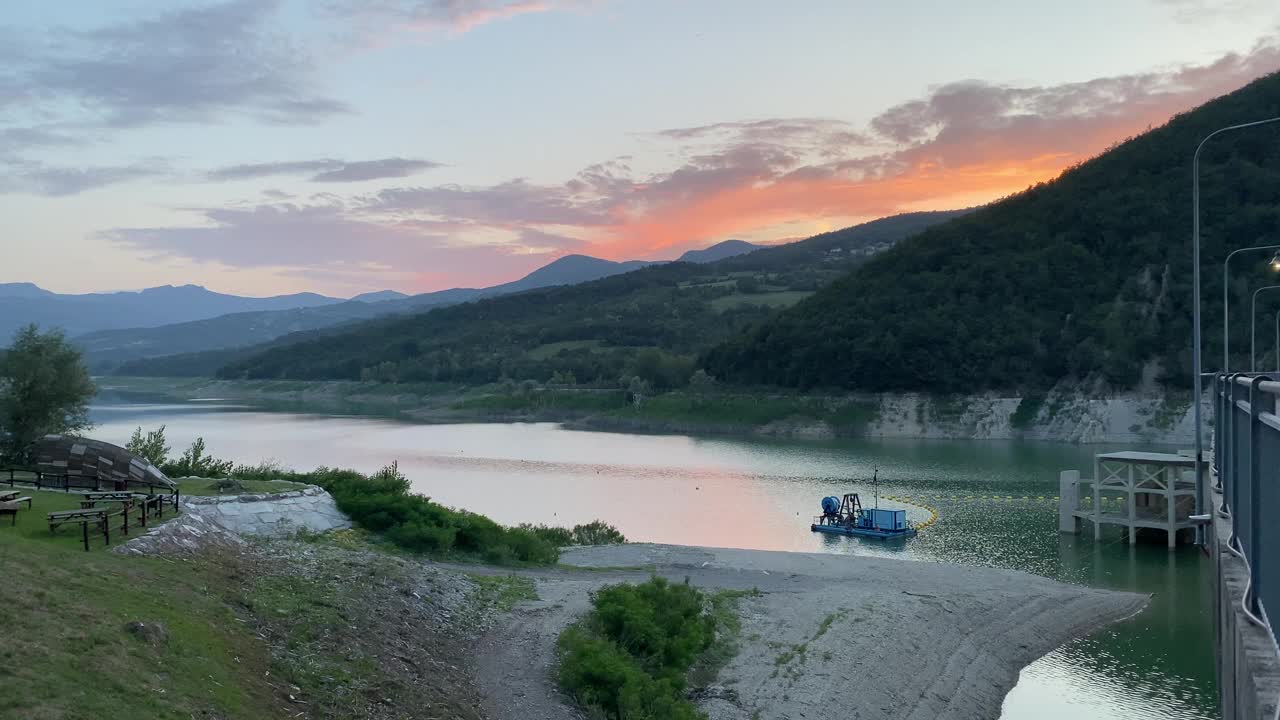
(1064,416)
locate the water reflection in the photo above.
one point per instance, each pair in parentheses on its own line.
(763,494)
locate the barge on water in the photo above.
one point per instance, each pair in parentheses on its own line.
(846,516)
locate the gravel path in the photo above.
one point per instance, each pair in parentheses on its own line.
(868,636)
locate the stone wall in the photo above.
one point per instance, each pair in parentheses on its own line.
(271,515)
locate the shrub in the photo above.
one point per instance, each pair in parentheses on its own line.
(630,656)
(597,533)
(593,533)
(194,463)
(381,502)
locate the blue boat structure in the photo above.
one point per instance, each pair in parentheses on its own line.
(846,516)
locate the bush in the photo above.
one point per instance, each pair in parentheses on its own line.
(194,463)
(593,533)
(630,656)
(381,502)
(596,533)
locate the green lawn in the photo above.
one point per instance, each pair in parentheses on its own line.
(783,299)
(202,487)
(67,653)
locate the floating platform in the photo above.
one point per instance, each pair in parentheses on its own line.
(846,516)
(855,531)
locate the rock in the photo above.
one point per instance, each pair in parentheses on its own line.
(152,633)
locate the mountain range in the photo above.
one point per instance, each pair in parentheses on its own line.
(114,328)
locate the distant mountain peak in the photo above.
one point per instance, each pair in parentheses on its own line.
(719,251)
(23,290)
(379,296)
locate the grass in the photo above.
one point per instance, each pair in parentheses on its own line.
(67,648)
(201,488)
(783,299)
(549,350)
(503,592)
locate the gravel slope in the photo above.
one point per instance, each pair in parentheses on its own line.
(869,636)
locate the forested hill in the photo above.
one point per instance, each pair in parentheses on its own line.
(649,323)
(1085,277)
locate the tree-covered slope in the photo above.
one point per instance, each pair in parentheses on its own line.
(1086,277)
(650,322)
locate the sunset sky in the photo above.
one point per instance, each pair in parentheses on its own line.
(271,146)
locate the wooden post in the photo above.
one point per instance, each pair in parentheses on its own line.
(106,526)
(84,530)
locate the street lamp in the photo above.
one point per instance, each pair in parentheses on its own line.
(1195,308)
(1253,325)
(1278,341)
(1226,303)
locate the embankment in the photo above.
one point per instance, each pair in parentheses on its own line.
(1063,415)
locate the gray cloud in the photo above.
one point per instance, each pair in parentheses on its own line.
(327,169)
(1193,11)
(325,239)
(39,179)
(375,169)
(189,65)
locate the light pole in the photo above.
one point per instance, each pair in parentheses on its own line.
(1196,380)
(1226,303)
(1278,341)
(1253,326)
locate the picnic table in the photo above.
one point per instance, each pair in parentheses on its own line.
(85,517)
(10,503)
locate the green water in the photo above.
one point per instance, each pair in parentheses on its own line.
(762,494)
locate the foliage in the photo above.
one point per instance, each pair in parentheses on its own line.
(382,503)
(629,658)
(194,463)
(1086,277)
(44,389)
(1028,408)
(593,533)
(151,447)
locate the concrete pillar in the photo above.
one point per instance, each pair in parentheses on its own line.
(1068,501)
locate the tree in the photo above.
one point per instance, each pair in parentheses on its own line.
(44,389)
(194,463)
(151,447)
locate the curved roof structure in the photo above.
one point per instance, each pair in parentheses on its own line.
(82,457)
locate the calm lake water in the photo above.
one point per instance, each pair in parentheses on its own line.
(762,494)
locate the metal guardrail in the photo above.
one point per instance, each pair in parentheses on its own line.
(1247,460)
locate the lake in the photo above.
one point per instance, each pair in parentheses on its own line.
(762,494)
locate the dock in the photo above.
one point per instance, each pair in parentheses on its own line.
(1132,490)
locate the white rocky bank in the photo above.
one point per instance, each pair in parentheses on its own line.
(273,514)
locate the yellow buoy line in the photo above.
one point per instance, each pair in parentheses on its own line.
(933,512)
(1084,500)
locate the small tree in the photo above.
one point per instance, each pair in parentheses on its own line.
(194,463)
(151,447)
(44,389)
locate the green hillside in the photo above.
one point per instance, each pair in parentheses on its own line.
(1084,277)
(651,323)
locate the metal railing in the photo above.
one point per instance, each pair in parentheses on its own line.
(1247,460)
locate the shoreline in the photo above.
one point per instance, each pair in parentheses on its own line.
(918,639)
(1066,417)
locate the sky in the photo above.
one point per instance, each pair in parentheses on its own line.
(263,147)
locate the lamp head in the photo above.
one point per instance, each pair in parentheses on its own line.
(1275,262)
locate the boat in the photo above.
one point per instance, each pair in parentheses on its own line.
(846,516)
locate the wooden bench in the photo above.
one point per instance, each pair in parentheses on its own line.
(7,495)
(10,508)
